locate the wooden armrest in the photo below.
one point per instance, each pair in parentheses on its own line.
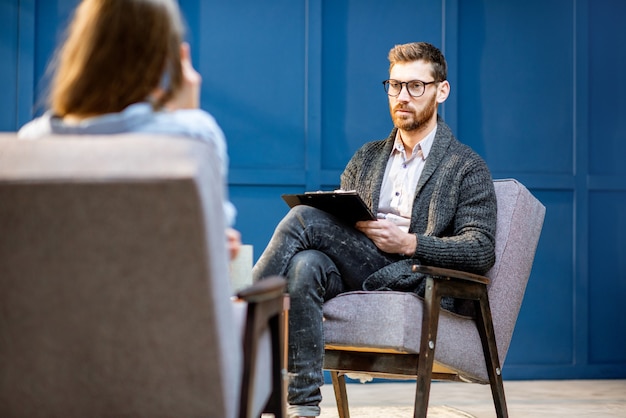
(439,272)
(266,289)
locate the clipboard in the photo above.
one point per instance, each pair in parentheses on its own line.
(347,206)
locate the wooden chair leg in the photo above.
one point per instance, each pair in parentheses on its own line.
(430,322)
(490,350)
(249,360)
(341,395)
(279,325)
(267,309)
(277,404)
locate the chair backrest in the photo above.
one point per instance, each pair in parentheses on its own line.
(520,220)
(114,292)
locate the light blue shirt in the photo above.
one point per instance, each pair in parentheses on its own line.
(142,118)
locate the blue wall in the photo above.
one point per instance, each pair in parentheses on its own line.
(538,89)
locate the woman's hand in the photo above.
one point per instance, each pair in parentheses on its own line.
(233,242)
(188,97)
(388,237)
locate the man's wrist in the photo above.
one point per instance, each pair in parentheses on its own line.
(411,246)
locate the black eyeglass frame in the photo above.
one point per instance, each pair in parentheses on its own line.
(403,83)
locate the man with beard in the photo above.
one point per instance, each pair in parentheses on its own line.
(435,204)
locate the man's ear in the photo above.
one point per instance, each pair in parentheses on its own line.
(443,91)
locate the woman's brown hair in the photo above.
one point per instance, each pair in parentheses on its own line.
(117,52)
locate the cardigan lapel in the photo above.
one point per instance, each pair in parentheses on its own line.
(443,137)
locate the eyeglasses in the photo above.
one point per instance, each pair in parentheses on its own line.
(416,88)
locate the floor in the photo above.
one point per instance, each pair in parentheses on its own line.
(525,399)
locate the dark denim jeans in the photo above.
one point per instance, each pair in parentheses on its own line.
(320,258)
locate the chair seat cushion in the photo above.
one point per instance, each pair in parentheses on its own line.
(457,340)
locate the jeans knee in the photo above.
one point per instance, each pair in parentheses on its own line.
(307,271)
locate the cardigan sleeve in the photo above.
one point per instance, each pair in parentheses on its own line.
(461,221)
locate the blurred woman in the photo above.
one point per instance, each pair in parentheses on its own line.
(125,68)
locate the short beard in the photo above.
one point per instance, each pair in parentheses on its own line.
(419,120)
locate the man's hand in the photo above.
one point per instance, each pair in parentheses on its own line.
(388,237)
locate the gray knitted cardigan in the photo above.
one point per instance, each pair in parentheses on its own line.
(454,212)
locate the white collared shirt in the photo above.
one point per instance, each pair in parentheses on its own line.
(400,181)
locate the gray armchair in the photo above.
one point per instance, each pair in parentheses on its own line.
(114,292)
(399,335)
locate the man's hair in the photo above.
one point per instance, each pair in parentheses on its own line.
(420,51)
(115,54)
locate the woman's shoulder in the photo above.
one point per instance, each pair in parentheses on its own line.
(194,123)
(36,128)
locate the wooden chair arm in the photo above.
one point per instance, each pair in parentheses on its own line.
(263,290)
(447,274)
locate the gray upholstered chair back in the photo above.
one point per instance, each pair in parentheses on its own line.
(519,223)
(114,297)
(520,220)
